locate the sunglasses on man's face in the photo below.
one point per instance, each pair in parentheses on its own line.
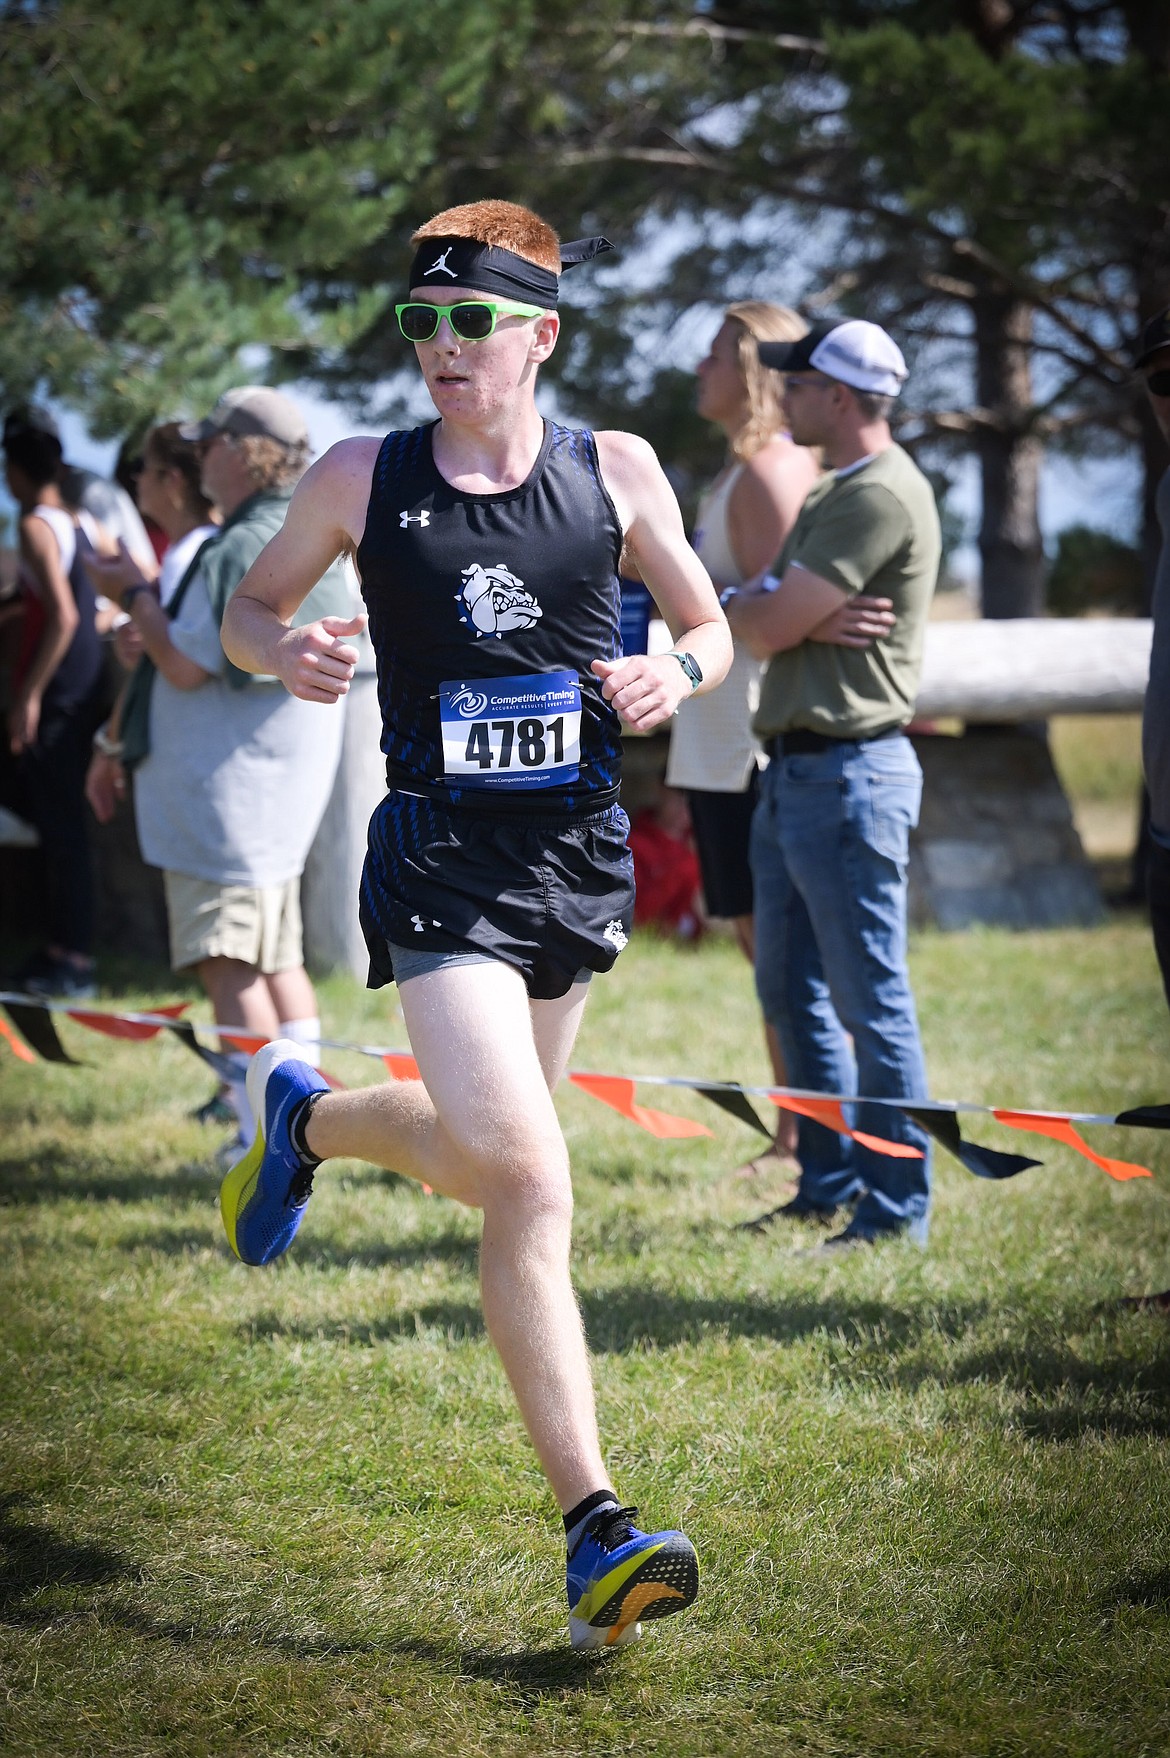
(473,320)
(1158,383)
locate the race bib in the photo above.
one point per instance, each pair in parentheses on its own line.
(512,732)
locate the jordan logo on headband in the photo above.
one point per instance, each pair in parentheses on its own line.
(490,269)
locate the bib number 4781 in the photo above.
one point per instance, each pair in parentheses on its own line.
(525,741)
(519,732)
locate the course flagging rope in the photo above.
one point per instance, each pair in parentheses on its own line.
(35,1036)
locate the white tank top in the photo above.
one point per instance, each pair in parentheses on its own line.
(712,746)
(64,528)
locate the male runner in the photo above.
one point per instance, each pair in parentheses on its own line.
(497,879)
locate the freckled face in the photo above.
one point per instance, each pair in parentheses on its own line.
(470,380)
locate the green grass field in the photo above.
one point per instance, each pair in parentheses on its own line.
(293,1511)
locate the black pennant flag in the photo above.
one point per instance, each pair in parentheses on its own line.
(224,1067)
(36,1023)
(984,1162)
(1146,1116)
(735,1100)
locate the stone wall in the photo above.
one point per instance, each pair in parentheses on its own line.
(996,840)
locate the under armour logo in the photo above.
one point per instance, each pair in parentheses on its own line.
(423,518)
(439,266)
(418,925)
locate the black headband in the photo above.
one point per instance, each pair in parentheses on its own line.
(486,268)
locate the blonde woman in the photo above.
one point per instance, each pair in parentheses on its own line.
(744,517)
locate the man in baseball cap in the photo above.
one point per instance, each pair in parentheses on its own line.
(830,837)
(215,751)
(849,350)
(252,409)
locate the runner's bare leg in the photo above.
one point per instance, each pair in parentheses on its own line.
(481,1127)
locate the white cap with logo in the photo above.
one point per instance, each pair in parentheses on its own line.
(851,350)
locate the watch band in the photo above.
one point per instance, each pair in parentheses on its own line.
(104,745)
(690,667)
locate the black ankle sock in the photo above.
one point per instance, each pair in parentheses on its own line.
(598,1499)
(298,1123)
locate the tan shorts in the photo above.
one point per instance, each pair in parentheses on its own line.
(260,926)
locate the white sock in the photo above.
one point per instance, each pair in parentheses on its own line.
(306,1032)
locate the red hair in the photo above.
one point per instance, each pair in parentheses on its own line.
(501,223)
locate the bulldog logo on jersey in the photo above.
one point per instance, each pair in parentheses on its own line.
(496,601)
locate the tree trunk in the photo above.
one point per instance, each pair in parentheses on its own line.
(1009,456)
(1152,281)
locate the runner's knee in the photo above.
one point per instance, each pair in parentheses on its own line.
(525,1168)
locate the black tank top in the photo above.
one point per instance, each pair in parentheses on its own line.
(465,590)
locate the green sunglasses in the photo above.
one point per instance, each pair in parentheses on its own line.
(473,320)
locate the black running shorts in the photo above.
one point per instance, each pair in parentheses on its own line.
(550,896)
(722,825)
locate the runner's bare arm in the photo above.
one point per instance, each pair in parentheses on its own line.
(326,518)
(644,690)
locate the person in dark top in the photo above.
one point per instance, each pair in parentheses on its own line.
(59,699)
(1152,362)
(498,877)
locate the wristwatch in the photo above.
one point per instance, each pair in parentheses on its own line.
(690,667)
(104,745)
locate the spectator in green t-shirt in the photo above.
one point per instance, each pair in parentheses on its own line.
(217,754)
(830,838)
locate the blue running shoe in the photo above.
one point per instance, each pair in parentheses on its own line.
(617,1575)
(263,1198)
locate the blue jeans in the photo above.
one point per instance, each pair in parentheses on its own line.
(830,846)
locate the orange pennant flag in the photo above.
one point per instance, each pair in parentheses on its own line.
(1060,1129)
(244,1041)
(116,1025)
(829,1112)
(17,1045)
(617,1091)
(400,1066)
